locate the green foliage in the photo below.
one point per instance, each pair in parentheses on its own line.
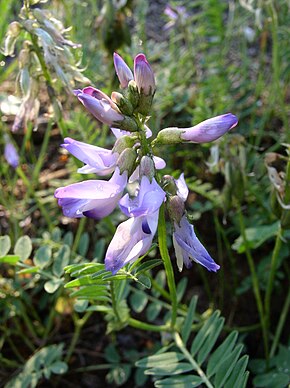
(41,365)
(278,374)
(222,367)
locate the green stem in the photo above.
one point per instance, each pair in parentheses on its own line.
(280,325)
(147,326)
(42,154)
(114,301)
(273,268)
(79,323)
(80,230)
(167,264)
(189,357)
(254,281)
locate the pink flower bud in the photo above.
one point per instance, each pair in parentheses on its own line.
(100,105)
(123,71)
(144,76)
(209,130)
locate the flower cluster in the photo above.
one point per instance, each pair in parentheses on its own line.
(132,163)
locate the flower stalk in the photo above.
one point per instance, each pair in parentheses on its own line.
(167,265)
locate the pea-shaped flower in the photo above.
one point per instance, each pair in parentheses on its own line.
(97,160)
(100,105)
(204,132)
(92,198)
(133,238)
(188,248)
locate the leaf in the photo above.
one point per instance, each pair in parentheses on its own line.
(186,328)
(272,379)
(5,245)
(179,382)
(212,335)
(52,285)
(227,366)
(200,338)
(68,238)
(96,292)
(23,247)
(111,354)
(59,367)
(84,244)
(28,270)
(170,369)
(153,311)
(238,377)
(81,306)
(160,359)
(42,256)
(256,236)
(221,353)
(180,289)
(61,260)
(10,259)
(147,265)
(138,301)
(144,280)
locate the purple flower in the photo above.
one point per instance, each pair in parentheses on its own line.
(144,76)
(123,71)
(133,238)
(210,130)
(11,155)
(148,200)
(100,105)
(92,198)
(98,160)
(188,247)
(120,132)
(204,132)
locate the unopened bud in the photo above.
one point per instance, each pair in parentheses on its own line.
(169,185)
(147,167)
(123,103)
(176,208)
(127,124)
(122,143)
(12,34)
(126,161)
(133,95)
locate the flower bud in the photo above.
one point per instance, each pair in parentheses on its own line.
(127,124)
(144,76)
(169,184)
(123,71)
(122,143)
(176,208)
(100,105)
(133,95)
(209,130)
(147,167)
(12,34)
(123,103)
(10,153)
(126,161)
